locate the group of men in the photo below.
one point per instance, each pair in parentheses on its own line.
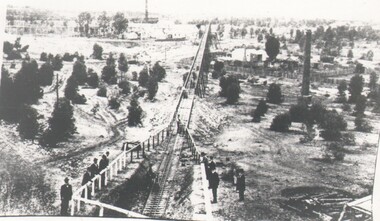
(213,178)
(91,172)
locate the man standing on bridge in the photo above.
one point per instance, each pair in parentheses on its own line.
(66,194)
(179,129)
(214,183)
(86,178)
(102,165)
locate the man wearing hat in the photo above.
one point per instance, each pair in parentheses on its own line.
(240,184)
(66,194)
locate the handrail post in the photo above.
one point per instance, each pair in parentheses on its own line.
(100,182)
(143,149)
(120,163)
(149,144)
(72,207)
(93,188)
(131,155)
(86,192)
(153,141)
(138,152)
(111,172)
(163,134)
(158,139)
(101,211)
(78,203)
(105,177)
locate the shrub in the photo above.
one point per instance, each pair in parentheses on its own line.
(43,56)
(57,62)
(299,112)
(28,126)
(158,72)
(92,78)
(355,88)
(114,103)
(348,139)
(102,92)
(134,76)
(26,83)
(317,112)
(233,91)
(134,112)
(7,47)
(67,57)
(332,125)
(61,124)
(336,149)
(45,74)
(80,72)
(109,74)
(125,87)
(362,125)
(274,94)
(97,51)
(71,89)
(281,123)
(152,88)
(143,78)
(225,82)
(360,105)
(260,111)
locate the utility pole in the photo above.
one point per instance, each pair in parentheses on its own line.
(146,10)
(305,91)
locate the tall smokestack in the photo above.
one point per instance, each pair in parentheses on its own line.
(306,66)
(146,10)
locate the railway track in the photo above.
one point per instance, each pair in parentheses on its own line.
(162,189)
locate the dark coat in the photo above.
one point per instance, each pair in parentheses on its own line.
(103,164)
(214,180)
(86,178)
(66,192)
(212,165)
(94,168)
(240,184)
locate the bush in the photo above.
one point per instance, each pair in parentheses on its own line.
(299,113)
(67,57)
(7,47)
(134,76)
(143,78)
(80,72)
(360,105)
(274,94)
(114,103)
(233,93)
(13,55)
(43,56)
(109,74)
(281,123)
(260,111)
(158,72)
(92,78)
(28,126)
(45,74)
(332,125)
(225,82)
(61,124)
(134,112)
(152,88)
(57,62)
(355,88)
(336,149)
(97,51)
(362,125)
(26,83)
(125,87)
(102,92)
(316,113)
(348,139)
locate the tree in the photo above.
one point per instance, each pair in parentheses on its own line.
(43,56)
(355,87)
(97,51)
(92,78)
(61,124)
(120,23)
(143,78)
(152,87)
(225,82)
(45,74)
(158,72)
(122,64)
(281,123)
(114,103)
(350,54)
(102,92)
(360,105)
(104,22)
(80,72)
(316,113)
(369,55)
(57,62)
(332,124)
(299,112)
(134,112)
(71,91)
(109,71)
(272,47)
(26,83)
(362,125)
(84,20)
(233,91)
(373,79)
(274,94)
(8,102)
(28,127)
(342,87)
(125,87)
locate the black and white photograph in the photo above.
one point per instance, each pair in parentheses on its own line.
(216,110)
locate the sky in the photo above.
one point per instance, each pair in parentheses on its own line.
(367,10)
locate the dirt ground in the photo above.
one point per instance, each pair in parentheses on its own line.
(273,161)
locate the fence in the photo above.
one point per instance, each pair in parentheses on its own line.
(112,169)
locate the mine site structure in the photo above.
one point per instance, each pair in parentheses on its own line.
(167,137)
